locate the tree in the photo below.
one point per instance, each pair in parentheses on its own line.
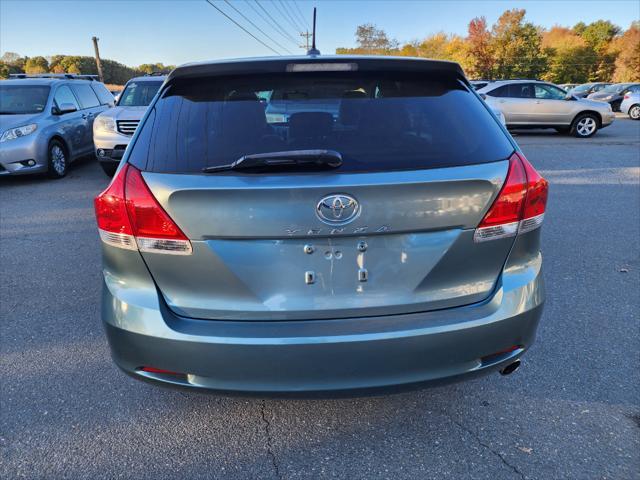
(10,57)
(627,48)
(4,70)
(570,59)
(434,46)
(516,47)
(479,49)
(371,38)
(36,65)
(149,68)
(598,36)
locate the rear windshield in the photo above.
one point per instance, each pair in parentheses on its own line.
(375,121)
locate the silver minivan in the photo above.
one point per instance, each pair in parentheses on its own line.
(46,121)
(383,231)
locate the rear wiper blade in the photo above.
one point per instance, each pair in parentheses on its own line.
(320,159)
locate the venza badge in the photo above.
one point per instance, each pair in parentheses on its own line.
(337,209)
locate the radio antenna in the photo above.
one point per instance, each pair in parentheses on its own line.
(314,50)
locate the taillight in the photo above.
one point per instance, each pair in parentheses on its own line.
(627,96)
(520,205)
(130,217)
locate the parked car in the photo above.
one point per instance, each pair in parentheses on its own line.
(535,104)
(113,129)
(46,121)
(478,84)
(568,86)
(585,89)
(613,94)
(394,245)
(631,105)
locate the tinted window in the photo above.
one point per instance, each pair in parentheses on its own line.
(376,122)
(521,90)
(513,90)
(500,92)
(87,97)
(17,99)
(139,93)
(104,95)
(64,95)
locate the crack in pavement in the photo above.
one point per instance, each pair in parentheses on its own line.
(487,446)
(267,430)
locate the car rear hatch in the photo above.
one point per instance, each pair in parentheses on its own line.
(389,231)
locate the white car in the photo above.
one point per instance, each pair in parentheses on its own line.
(112,130)
(499,114)
(631,105)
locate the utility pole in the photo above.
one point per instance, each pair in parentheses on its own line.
(98,63)
(306,37)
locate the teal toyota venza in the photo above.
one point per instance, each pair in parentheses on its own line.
(320,224)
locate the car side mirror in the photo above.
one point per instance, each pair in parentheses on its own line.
(569,97)
(483,96)
(65,108)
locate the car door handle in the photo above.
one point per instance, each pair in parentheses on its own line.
(538,101)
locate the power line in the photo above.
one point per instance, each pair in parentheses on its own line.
(272,23)
(242,28)
(302,17)
(258,28)
(276,22)
(286,17)
(288,10)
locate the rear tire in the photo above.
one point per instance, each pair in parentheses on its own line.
(57,159)
(585,125)
(109,168)
(634,112)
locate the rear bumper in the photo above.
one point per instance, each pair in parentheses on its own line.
(324,355)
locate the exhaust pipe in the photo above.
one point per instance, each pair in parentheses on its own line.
(509,369)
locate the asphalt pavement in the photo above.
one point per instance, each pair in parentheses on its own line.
(571,412)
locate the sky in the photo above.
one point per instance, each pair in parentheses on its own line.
(180,31)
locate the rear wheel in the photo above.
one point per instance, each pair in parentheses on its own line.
(585,125)
(634,112)
(58,160)
(109,168)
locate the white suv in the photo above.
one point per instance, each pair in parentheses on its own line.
(113,129)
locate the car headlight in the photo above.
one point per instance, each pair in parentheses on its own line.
(18,132)
(105,124)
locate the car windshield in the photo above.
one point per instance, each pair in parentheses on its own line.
(21,99)
(583,88)
(139,93)
(374,121)
(613,88)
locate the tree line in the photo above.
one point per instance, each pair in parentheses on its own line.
(516,48)
(114,72)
